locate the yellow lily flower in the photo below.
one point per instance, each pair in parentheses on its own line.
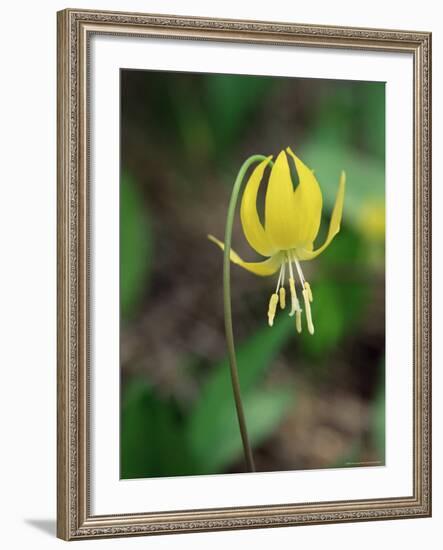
(292,222)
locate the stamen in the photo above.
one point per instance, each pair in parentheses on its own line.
(306,295)
(279,278)
(272,308)
(298,320)
(308,288)
(295,304)
(282,297)
(299,271)
(282,289)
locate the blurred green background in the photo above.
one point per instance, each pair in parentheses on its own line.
(311,401)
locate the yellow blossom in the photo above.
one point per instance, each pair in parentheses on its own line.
(291,224)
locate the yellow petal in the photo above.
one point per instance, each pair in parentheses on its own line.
(308,202)
(334,225)
(252,226)
(281,225)
(264,268)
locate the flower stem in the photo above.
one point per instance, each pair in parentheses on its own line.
(228,312)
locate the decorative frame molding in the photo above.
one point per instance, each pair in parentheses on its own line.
(75,27)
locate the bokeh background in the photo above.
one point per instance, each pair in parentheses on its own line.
(311,401)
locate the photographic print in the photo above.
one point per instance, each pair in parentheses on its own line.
(252,274)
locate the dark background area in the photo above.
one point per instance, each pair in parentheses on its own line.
(311,401)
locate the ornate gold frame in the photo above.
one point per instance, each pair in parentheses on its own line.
(74,518)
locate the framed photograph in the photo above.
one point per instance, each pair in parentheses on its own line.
(244,253)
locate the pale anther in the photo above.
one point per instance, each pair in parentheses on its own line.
(298,320)
(272,308)
(308,288)
(308,310)
(282,297)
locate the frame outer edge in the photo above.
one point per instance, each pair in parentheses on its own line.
(73,521)
(429,320)
(422,273)
(63,417)
(426,146)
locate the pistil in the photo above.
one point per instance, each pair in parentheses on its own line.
(295,304)
(282,291)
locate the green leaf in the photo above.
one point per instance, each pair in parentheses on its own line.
(372,105)
(329,320)
(216,402)
(352,116)
(232,99)
(253,358)
(334,116)
(152,441)
(336,308)
(216,443)
(365,176)
(135,246)
(347,249)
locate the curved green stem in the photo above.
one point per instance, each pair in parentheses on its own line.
(228,312)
